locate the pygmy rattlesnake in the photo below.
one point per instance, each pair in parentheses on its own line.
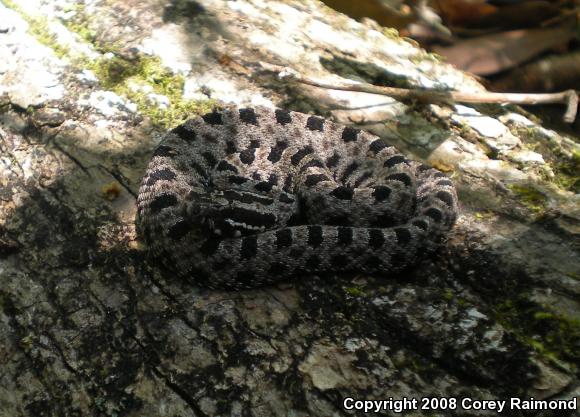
(245,197)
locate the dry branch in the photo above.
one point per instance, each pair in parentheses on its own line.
(568,97)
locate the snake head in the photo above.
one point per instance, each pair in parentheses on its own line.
(233,221)
(230,213)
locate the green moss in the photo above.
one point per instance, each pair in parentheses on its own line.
(80,24)
(39,29)
(136,79)
(564,167)
(450,297)
(355,291)
(567,173)
(133,79)
(421,57)
(530,197)
(464,129)
(552,335)
(83,31)
(436,57)
(391,33)
(483,215)
(27,342)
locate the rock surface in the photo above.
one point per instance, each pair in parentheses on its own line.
(90,326)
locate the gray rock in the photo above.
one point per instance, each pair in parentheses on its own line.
(49,117)
(91,325)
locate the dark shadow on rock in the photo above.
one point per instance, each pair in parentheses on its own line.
(179,10)
(193,16)
(369,72)
(68,282)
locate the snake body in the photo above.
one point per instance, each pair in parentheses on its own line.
(241,198)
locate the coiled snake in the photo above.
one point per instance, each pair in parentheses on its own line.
(245,197)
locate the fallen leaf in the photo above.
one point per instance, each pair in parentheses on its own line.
(490,54)
(469,14)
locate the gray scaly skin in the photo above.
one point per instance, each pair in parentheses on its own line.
(245,197)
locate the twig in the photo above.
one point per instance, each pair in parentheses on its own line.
(568,97)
